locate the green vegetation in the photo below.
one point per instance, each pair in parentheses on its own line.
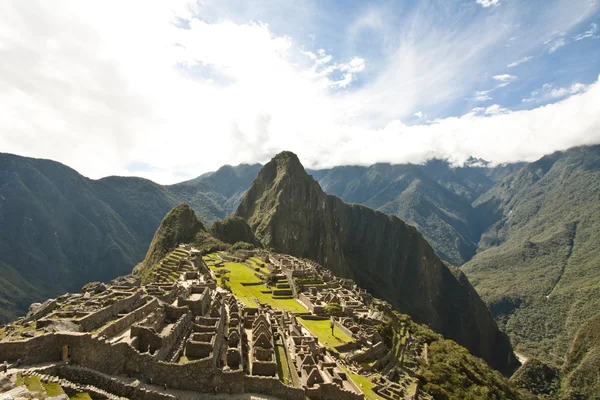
(234,230)
(322,330)
(33,384)
(282,364)
(539,268)
(449,371)
(364,384)
(53,389)
(538,378)
(81,396)
(242,246)
(247,287)
(333,308)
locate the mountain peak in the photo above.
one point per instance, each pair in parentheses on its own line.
(180,225)
(289,212)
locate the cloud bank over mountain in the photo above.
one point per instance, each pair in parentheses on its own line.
(170,90)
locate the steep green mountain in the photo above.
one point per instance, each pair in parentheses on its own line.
(180,225)
(288,211)
(582,364)
(539,264)
(233,230)
(434,197)
(59,229)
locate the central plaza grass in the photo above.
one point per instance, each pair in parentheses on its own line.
(322,330)
(239,273)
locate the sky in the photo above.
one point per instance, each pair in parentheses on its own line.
(168,90)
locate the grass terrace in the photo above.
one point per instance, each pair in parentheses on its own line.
(258,263)
(364,384)
(247,287)
(322,330)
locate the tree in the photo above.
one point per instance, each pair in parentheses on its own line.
(333,308)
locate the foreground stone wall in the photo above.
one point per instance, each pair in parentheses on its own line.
(272,386)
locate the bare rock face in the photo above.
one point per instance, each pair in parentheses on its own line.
(288,211)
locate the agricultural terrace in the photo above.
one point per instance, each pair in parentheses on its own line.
(247,287)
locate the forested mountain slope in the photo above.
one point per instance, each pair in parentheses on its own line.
(539,263)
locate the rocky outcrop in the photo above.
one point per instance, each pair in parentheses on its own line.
(288,211)
(234,229)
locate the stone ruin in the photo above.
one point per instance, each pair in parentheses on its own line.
(183,331)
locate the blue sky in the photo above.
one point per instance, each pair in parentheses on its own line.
(169,90)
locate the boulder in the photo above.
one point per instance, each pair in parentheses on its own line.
(94,287)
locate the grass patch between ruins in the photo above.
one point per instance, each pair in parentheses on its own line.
(53,389)
(33,384)
(364,384)
(322,330)
(239,273)
(282,364)
(81,396)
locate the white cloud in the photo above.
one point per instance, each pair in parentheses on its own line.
(419,114)
(488,3)
(557,44)
(483,95)
(495,109)
(504,78)
(591,33)
(106,85)
(519,62)
(550,93)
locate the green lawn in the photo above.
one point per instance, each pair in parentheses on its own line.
(364,384)
(33,384)
(282,364)
(239,274)
(257,263)
(53,389)
(322,330)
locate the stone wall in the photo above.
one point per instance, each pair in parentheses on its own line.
(264,368)
(100,317)
(273,387)
(129,319)
(343,328)
(87,376)
(331,391)
(375,352)
(174,335)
